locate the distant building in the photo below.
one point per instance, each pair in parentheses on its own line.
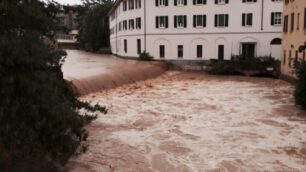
(67,19)
(196,29)
(294,35)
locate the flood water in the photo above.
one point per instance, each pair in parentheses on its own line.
(194,122)
(89,72)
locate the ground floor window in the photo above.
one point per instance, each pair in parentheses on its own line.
(138,46)
(125,45)
(199,51)
(180,51)
(162,51)
(220,52)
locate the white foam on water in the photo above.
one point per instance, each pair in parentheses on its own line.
(193,122)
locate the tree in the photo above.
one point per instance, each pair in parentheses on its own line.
(300,88)
(94,27)
(40,121)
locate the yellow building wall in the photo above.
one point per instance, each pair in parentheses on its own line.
(294,37)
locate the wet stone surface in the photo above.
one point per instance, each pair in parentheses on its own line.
(195,122)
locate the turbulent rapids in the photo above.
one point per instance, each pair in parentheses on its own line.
(90,72)
(187,122)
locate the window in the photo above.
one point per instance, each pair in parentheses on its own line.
(276,18)
(161,3)
(180,52)
(199,21)
(221,2)
(124,25)
(199,51)
(292,22)
(125,46)
(180,2)
(220,52)
(162,51)
(124,5)
(249,1)
(180,21)
(131,24)
(277,0)
(298,21)
(161,22)
(247,19)
(138,23)
(221,20)
(138,46)
(285,57)
(285,29)
(137,4)
(305,19)
(199,2)
(131,4)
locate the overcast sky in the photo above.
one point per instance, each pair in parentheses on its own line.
(70,2)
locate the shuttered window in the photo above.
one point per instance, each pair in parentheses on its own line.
(221,20)
(199,20)
(199,2)
(221,2)
(161,21)
(247,19)
(161,3)
(180,2)
(180,21)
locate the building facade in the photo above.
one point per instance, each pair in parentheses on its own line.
(196,29)
(294,36)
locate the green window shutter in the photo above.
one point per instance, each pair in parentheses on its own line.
(166,19)
(226,20)
(216,20)
(204,20)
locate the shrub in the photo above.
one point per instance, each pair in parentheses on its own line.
(238,63)
(105,50)
(41,124)
(300,88)
(145,56)
(220,68)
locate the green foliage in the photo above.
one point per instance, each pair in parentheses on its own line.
(300,89)
(145,56)
(40,120)
(237,64)
(94,27)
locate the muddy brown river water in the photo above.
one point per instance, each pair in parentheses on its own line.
(194,122)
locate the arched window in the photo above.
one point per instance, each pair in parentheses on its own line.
(276,41)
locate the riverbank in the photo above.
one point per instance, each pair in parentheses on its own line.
(185,121)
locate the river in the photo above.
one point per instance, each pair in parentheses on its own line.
(188,121)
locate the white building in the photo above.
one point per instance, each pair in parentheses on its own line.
(196,29)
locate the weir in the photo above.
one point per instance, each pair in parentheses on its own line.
(89,72)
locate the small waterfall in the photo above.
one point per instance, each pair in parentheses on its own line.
(118,72)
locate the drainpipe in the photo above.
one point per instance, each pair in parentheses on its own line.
(116,33)
(262,13)
(145,25)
